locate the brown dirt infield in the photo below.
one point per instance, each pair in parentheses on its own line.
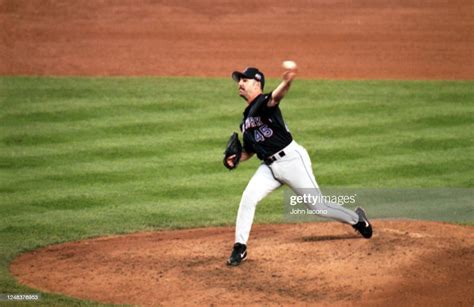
(406,263)
(363,39)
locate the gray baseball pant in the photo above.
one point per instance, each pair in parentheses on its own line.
(293,169)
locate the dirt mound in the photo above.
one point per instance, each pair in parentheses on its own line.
(368,39)
(406,262)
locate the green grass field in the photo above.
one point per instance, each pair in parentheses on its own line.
(84,157)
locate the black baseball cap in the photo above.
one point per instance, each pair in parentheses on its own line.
(249,73)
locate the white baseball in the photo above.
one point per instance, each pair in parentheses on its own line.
(289,65)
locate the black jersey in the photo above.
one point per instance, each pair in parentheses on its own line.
(263,128)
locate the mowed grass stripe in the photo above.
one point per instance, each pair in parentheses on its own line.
(158,153)
(461,125)
(169,139)
(110,118)
(340,132)
(84,174)
(325,150)
(346,176)
(150,163)
(123,192)
(129,176)
(335,127)
(49,134)
(155,108)
(381,154)
(151,96)
(325,127)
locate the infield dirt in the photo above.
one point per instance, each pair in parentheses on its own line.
(406,263)
(369,39)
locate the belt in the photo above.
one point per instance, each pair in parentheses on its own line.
(273,158)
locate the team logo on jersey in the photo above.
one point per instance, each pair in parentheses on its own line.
(252,122)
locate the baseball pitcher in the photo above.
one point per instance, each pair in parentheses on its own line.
(284,161)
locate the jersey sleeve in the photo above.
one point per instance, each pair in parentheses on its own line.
(262,103)
(247,145)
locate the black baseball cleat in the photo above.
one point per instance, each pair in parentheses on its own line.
(239,254)
(363,226)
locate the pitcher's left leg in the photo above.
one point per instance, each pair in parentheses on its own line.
(298,174)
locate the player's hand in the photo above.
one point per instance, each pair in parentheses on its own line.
(289,75)
(230,160)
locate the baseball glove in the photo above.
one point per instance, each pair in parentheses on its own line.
(234,147)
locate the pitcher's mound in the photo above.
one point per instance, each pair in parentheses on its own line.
(406,262)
